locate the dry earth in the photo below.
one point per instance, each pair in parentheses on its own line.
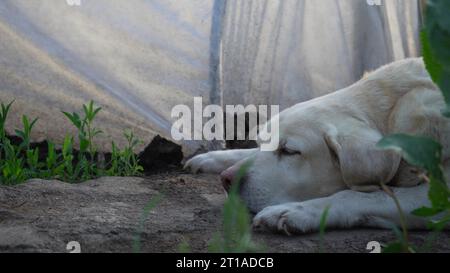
(104,215)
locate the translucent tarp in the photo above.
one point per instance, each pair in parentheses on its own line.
(139,58)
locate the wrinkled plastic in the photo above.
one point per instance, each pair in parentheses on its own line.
(137,59)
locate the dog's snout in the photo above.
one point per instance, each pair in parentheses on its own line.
(230,175)
(227,178)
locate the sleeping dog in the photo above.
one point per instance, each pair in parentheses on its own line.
(327,155)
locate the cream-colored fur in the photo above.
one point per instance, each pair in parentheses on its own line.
(336,162)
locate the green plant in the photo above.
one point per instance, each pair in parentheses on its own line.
(31,155)
(422,151)
(436,44)
(25,134)
(184,246)
(402,243)
(148,208)
(235,236)
(68,171)
(86,130)
(13,171)
(11,162)
(21,162)
(322,226)
(125,162)
(86,166)
(426,154)
(3,116)
(52,168)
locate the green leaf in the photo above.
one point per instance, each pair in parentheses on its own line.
(154,202)
(184,247)
(86,110)
(436,44)
(67,148)
(20,134)
(440,224)
(51,155)
(425,153)
(438,26)
(323,220)
(444,84)
(419,151)
(74,118)
(236,222)
(438,194)
(84,144)
(97,111)
(433,66)
(322,226)
(395,247)
(5,111)
(425,212)
(440,9)
(25,122)
(33,123)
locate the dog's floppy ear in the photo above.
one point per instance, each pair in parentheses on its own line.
(362,165)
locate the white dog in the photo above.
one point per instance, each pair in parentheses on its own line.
(327,155)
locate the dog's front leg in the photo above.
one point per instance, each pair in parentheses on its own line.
(217,161)
(346,209)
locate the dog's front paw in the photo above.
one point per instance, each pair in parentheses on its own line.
(204,163)
(288,218)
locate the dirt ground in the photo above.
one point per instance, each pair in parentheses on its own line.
(105,215)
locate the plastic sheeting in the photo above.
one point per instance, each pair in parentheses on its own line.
(139,58)
(287,51)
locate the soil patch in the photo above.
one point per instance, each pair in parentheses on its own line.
(105,215)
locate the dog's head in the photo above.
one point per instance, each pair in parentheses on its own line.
(320,152)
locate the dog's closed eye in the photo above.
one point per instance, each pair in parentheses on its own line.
(288,152)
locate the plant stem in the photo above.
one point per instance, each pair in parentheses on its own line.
(401,214)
